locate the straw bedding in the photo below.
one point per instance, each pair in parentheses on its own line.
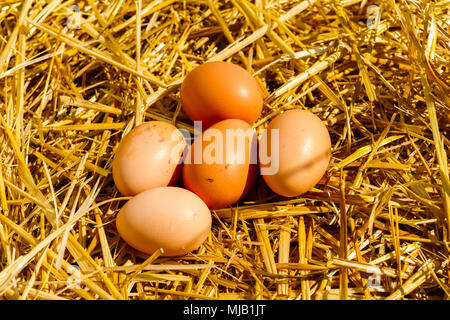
(72,83)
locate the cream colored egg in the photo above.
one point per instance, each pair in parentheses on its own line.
(171,218)
(148,157)
(297,150)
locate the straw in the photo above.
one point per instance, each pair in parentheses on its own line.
(75,77)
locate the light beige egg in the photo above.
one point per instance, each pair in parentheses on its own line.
(171,218)
(297,150)
(148,157)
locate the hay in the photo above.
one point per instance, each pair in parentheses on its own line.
(72,83)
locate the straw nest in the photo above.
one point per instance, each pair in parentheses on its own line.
(72,84)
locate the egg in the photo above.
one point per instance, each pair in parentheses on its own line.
(221,165)
(148,157)
(171,218)
(294,152)
(216,91)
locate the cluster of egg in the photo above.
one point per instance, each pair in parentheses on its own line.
(150,160)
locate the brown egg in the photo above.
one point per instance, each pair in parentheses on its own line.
(296,161)
(221,166)
(148,157)
(216,91)
(171,218)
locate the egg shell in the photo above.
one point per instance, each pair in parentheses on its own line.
(171,218)
(216,91)
(304,151)
(148,157)
(226,181)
